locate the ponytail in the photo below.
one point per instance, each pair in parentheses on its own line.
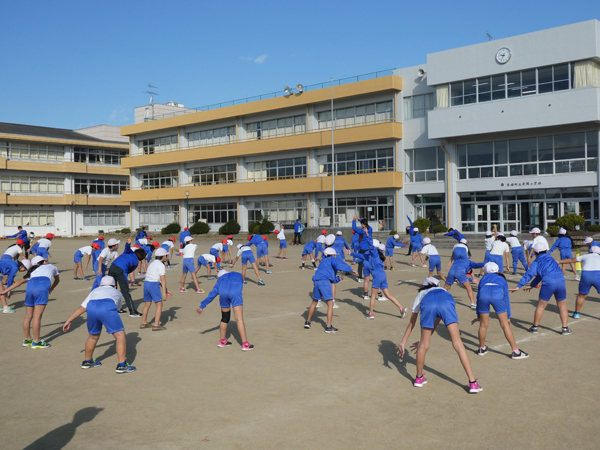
(32,269)
(429,286)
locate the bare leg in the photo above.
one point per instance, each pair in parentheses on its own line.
(393,299)
(159,306)
(579,302)
(484,320)
(195,281)
(311,310)
(244,272)
(27,322)
(184,276)
(574,270)
(145,312)
(564,312)
(329,312)
(440,274)
(38,311)
(255,267)
(238,314)
(121,346)
(467,286)
(372,301)
(424,343)
(458,345)
(508,334)
(539,311)
(564,269)
(90,345)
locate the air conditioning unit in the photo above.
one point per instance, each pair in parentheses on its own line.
(340,220)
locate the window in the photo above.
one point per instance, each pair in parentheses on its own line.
(223,135)
(100,187)
(374,209)
(164,179)
(286,126)
(35,218)
(418,105)
(159,215)
(285,211)
(425,164)
(279,169)
(24,185)
(158,145)
(224,173)
(33,151)
(97,156)
(108,217)
(366,161)
(357,115)
(213,212)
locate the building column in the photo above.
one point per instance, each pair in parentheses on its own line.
(453,209)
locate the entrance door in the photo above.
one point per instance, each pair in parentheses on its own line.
(510,216)
(532,215)
(488,216)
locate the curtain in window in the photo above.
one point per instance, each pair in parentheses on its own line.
(442,96)
(587,73)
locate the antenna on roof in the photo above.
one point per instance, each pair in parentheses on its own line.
(151,92)
(489,37)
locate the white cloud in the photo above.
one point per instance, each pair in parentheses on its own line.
(246,58)
(261,59)
(119,115)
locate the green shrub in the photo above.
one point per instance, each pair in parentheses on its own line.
(199,228)
(552,230)
(422,224)
(254,228)
(266,227)
(172,228)
(124,231)
(137,230)
(593,228)
(392,232)
(231,227)
(441,228)
(570,221)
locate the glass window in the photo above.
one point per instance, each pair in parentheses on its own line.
(513,83)
(462,155)
(569,146)
(481,154)
(498,87)
(522,150)
(484,89)
(456,93)
(561,77)
(528,82)
(425,158)
(470,91)
(545,80)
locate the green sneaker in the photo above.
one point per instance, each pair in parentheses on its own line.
(92,364)
(125,369)
(8,310)
(27,342)
(40,344)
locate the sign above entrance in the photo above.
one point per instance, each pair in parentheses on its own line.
(522,183)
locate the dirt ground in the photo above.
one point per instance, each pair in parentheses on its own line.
(299,388)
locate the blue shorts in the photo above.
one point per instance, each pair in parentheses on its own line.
(554,286)
(229,299)
(214,252)
(322,288)
(6,257)
(282,243)
(78,257)
(438,303)
(498,260)
(565,253)
(103,312)
(43,252)
(417,248)
(166,247)
(379,280)
(435,263)
(589,278)
(152,292)
(487,256)
(248,257)
(366,271)
(37,291)
(202,262)
(306,252)
(492,294)
(188,265)
(389,251)
(456,274)
(261,250)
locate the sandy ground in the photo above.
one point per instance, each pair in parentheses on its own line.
(299,388)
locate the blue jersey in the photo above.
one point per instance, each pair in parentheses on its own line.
(562,243)
(391,243)
(456,235)
(141,234)
(10,268)
(297,227)
(340,244)
(493,279)
(354,240)
(227,285)
(363,237)
(95,256)
(328,268)
(127,261)
(466,265)
(543,268)
(460,253)
(183,235)
(310,247)
(20,235)
(100,242)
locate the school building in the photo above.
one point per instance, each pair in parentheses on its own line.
(65,182)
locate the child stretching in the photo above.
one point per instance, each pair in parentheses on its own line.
(564,243)
(207,260)
(460,269)
(392,242)
(189,251)
(155,289)
(229,289)
(431,254)
(436,304)
(323,278)
(416,242)
(101,306)
(310,248)
(282,241)
(169,246)
(246,254)
(78,257)
(10,269)
(590,276)
(106,256)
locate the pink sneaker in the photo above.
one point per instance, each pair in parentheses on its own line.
(246,346)
(200,291)
(223,343)
(183,290)
(420,382)
(474,387)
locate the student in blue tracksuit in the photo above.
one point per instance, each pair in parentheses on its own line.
(546,270)
(310,249)
(591,243)
(298,227)
(435,261)
(459,251)
(493,291)
(392,242)
(141,234)
(229,288)
(245,252)
(339,245)
(9,269)
(436,305)
(564,243)
(22,234)
(100,241)
(590,276)
(416,242)
(121,267)
(354,245)
(365,239)
(103,260)
(517,252)
(458,236)
(460,269)
(323,279)
(185,233)
(261,249)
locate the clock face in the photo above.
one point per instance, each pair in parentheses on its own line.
(503,55)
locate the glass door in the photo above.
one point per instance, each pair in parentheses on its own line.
(531,215)
(552,213)
(482,218)
(488,216)
(510,217)
(495,216)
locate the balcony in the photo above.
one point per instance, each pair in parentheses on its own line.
(60,199)
(61,167)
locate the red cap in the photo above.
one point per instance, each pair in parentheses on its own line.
(101,238)
(265,238)
(323,231)
(218,259)
(249,237)
(148,237)
(20,242)
(224,241)
(49,236)
(185,228)
(155,244)
(230,237)
(96,245)
(353,231)
(275,231)
(172,239)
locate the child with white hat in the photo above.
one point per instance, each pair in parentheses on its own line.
(155,289)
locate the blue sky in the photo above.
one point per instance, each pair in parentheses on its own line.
(72,64)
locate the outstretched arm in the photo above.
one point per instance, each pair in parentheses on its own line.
(79,311)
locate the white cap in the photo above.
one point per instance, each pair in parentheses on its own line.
(27,264)
(415,229)
(107,281)
(381,247)
(431,280)
(112,242)
(161,252)
(329,239)
(595,249)
(539,247)
(239,246)
(526,244)
(562,231)
(221,273)
(330,251)
(535,230)
(375,243)
(426,241)
(491,267)
(588,240)
(499,234)
(463,241)
(36,260)
(488,233)
(229,242)
(188,239)
(513,233)
(396,237)
(339,233)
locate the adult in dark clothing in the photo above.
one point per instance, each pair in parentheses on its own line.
(121,267)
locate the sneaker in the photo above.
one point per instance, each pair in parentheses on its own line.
(566,331)
(246,346)
(533,329)
(140,274)
(183,290)
(223,343)
(40,344)
(360,280)
(200,291)
(392,268)
(369,316)
(482,351)
(307,324)
(474,387)
(27,342)
(125,368)
(277,257)
(284,257)
(158,328)
(122,311)
(320,304)
(145,325)
(577,278)
(270,265)
(92,364)
(381,298)
(303,267)
(268,271)
(420,381)
(210,278)
(76,279)
(521,355)
(424,265)
(366,297)
(8,311)
(403,313)
(412,265)
(335,305)
(575,315)
(331,329)
(473,306)
(385,268)
(136,284)
(261,282)
(245,282)
(135,313)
